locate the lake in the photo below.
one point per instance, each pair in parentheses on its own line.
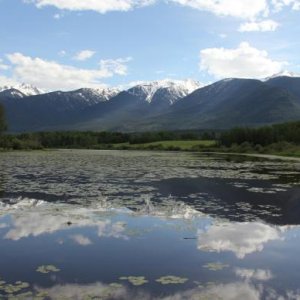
(148,225)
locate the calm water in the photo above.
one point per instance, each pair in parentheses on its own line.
(138,225)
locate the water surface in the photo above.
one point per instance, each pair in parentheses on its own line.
(148,225)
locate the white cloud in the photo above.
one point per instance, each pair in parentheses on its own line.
(101,6)
(245,9)
(266,25)
(84,55)
(62,53)
(280,4)
(243,62)
(239,238)
(116,66)
(50,75)
(5,81)
(58,16)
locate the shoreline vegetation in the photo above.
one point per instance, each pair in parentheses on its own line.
(280,139)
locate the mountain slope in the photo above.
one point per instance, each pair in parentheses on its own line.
(288,83)
(160,105)
(229,103)
(21,90)
(169,91)
(56,109)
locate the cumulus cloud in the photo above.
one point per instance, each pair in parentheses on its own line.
(266,25)
(241,9)
(6,81)
(246,9)
(93,5)
(84,55)
(239,238)
(50,75)
(280,4)
(115,66)
(244,62)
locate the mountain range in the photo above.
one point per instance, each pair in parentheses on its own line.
(158,105)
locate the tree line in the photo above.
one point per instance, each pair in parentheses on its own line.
(89,139)
(243,139)
(264,136)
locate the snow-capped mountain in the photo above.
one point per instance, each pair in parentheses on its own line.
(96,95)
(158,105)
(173,90)
(283,74)
(29,90)
(22,90)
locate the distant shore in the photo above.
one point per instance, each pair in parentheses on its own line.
(291,152)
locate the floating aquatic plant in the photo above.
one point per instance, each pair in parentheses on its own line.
(47,269)
(135,280)
(215,266)
(171,280)
(116,285)
(13,288)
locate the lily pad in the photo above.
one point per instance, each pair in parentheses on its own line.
(135,280)
(215,266)
(171,280)
(47,269)
(13,288)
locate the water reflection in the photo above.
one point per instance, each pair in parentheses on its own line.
(35,218)
(239,238)
(231,291)
(117,225)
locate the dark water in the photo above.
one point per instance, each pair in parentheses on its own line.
(138,225)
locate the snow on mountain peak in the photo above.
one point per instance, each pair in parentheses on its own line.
(24,89)
(106,93)
(176,88)
(96,95)
(283,74)
(28,89)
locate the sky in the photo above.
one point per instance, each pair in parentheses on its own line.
(69,44)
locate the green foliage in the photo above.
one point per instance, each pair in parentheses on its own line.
(103,140)
(263,136)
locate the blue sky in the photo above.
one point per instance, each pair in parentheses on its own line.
(67,44)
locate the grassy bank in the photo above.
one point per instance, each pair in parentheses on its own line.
(163,146)
(281,139)
(280,148)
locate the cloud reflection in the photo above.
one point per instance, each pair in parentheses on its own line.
(251,274)
(240,238)
(230,291)
(49,220)
(81,240)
